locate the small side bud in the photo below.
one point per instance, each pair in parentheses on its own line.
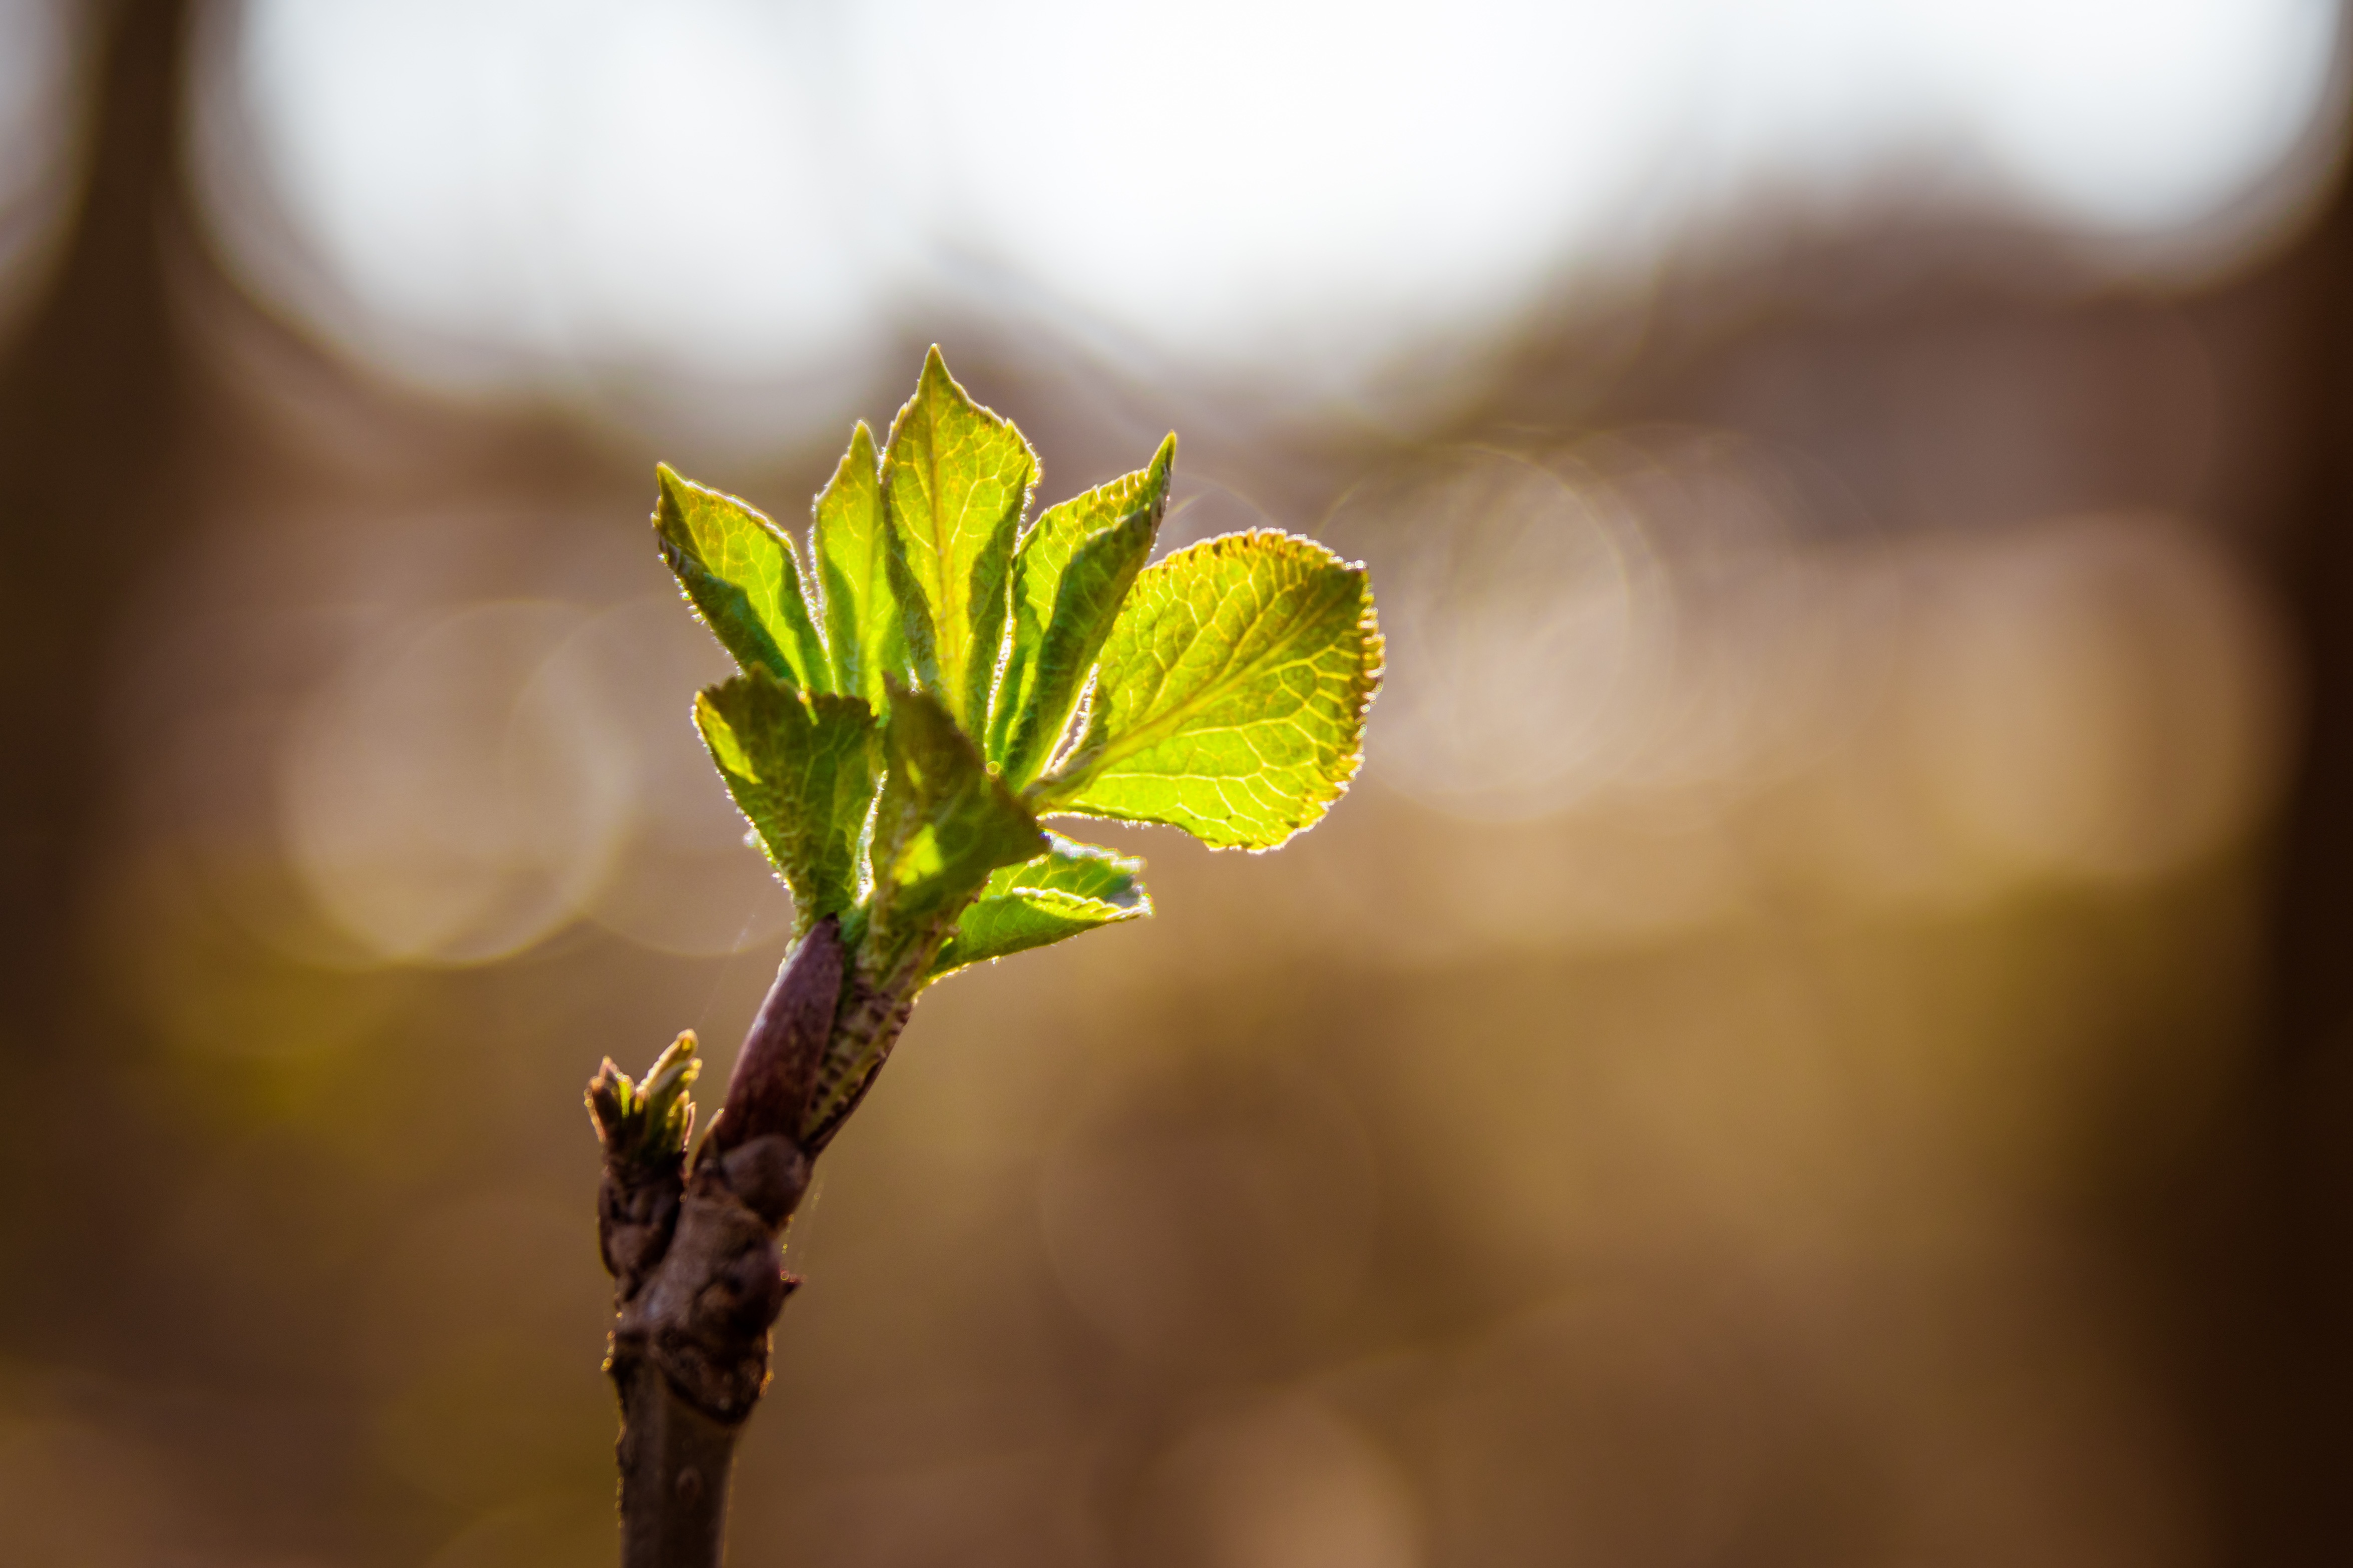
(647,1122)
(644,1125)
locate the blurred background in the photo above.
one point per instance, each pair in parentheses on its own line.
(1821,1036)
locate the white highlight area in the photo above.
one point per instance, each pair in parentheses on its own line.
(1302,189)
(1276,182)
(2139,116)
(597,185)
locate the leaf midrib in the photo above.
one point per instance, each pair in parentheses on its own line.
(954,613)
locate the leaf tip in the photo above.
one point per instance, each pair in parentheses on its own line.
(668,484)
(674,487)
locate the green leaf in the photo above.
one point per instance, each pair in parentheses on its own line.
(740,570)
(1070,889)
(1070,575)
(945,822)
(955,480)
(802,771)
(851,544)
(1230,698)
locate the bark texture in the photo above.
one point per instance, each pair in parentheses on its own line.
(698,1280)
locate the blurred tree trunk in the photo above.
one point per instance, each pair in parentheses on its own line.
(93,419)
(2297,1486)
(91,407)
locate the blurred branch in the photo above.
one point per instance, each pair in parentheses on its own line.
(96,411)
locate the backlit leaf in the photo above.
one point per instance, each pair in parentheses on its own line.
(1230,698)
(1071,889)
(802,770)
(1069,575)
(849,544)
(945,822)
(742,573)
(955,480)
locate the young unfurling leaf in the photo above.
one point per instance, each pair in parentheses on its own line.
(943,823)
(849,544)
(955,480)
(1069,575)
(1070,889)
(802,771)
(742,574)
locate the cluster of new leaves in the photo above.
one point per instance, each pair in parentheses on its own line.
(932,676)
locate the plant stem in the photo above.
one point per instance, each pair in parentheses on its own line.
(675,1462)
(697,1279)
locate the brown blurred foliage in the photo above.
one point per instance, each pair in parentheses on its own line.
(1895,1117)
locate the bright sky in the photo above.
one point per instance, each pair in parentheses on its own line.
(1293,190)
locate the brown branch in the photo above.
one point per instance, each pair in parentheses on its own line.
(697,1279)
